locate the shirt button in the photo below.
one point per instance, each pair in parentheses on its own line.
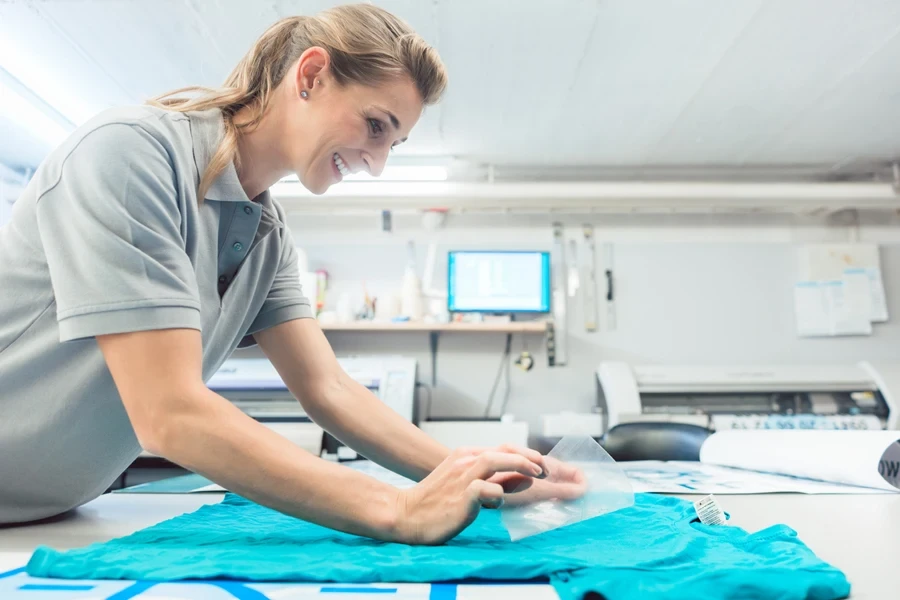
(223,279)
(248,210)
(237,246)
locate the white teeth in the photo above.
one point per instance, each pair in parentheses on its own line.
(339,162)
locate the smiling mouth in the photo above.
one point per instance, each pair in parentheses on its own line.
(339,164)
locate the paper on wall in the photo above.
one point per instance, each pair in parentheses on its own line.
(857,292)
(812,309)
(859,458)
(879,300)
(829,308)
(833,262)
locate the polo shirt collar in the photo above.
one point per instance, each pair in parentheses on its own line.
(207,129)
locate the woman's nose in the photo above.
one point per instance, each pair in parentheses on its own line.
(375,162)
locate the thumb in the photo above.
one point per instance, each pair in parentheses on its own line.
(489,494)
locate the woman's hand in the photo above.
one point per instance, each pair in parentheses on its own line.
(448,500)
(563,482)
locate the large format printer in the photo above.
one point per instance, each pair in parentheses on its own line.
(856,396)
(254,386)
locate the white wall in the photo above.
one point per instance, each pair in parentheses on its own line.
(690,290)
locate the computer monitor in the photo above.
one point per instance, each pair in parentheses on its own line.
(498,281)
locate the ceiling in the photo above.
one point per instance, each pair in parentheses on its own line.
(569,85)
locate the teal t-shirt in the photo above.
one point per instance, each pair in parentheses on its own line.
(655,549)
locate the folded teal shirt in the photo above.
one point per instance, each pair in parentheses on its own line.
(653,550)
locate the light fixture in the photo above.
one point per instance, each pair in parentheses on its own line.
(361,189)
(624,197)
(394,173)
(404,173)
(40,68)
(22,106)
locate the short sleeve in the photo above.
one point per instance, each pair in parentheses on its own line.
(111,231)
(285,300)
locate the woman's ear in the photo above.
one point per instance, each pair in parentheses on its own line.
(312,63)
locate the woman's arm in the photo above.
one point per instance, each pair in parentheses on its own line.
(346,409)
(158,375)
(174,415)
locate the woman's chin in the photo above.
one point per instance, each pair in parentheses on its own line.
(316,187)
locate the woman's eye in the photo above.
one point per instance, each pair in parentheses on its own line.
(375,126)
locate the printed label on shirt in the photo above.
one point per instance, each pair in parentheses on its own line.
(709,511)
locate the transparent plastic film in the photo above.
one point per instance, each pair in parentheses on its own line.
(602,484)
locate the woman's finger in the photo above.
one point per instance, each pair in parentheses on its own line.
(470,450)
(569,491)
(565,472)
(489,463)
(512,483)
(532,455)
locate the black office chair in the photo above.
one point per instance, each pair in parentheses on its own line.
(655,441)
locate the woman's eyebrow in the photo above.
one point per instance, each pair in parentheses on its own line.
(394,121)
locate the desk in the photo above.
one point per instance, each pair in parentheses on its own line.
(858,534)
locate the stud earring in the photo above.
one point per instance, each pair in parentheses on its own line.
(304,94)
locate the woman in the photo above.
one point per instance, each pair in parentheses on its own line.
(147,248)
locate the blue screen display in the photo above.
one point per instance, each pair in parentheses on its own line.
(498,281)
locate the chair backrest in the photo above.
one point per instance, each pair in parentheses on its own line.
(655,441)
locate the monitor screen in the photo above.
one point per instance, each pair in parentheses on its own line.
(498,281)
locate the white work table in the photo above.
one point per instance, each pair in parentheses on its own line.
(858,534)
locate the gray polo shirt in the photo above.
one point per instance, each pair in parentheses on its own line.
(109,237)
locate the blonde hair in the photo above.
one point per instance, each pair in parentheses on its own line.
(367,45)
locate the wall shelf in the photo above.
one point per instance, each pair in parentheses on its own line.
(488,327)
(434,331)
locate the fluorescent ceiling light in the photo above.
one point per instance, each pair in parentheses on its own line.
(404,173)
(38,68)
(21,106)
(601,196)
(295,189)
(395,173)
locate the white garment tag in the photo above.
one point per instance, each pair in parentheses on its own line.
(709,511)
